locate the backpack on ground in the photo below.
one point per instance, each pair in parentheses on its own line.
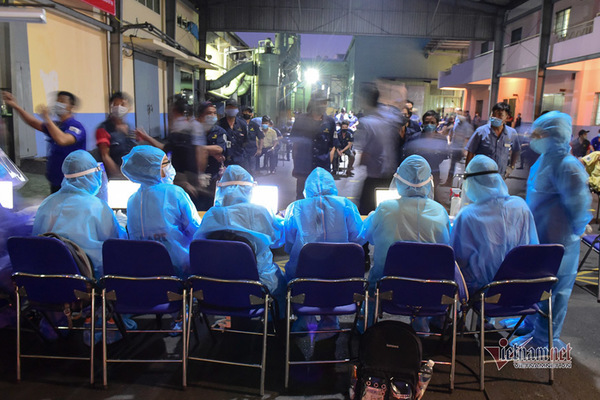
(389,360)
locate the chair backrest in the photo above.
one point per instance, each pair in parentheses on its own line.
(420,260)
(232,237)
(329,261)
(222,259)
(136,258)
(41,255)
(525,262)
(230,262)
(35,259)
(143,276)
(425,261)
(532,261)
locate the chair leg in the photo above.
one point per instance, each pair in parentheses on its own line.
(287,339)
(366,322)
(18,303)
(454,327)
(550,339)
(482,344)
(587,253)
(92,334)
(104,353)
(184,342)
(263,362)
(598,293)
(376,316)
(190,322)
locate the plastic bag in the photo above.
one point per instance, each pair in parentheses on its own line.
(10,172)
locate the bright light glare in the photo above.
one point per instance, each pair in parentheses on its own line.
(6,194)
(385,194)
(311,75)
(119,192)
(266,196)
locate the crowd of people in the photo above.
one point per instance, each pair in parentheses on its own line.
(395,147)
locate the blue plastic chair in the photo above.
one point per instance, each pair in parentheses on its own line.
(592,242)
(139,278)
(224,281)
(46,274)
(422,280)
(329,281)
(524,279)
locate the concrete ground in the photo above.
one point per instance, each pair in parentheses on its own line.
(68,380)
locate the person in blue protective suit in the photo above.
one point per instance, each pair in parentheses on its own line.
(559,198)
(487,229)
(233,212)
(75,212)
(415,217)
(322,216)
(159,210)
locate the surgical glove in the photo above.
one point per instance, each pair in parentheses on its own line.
(121,218)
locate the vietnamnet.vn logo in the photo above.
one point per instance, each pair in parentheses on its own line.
(530,357)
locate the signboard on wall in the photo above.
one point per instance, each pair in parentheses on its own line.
(104,5)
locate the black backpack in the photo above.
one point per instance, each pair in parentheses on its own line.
(389,352)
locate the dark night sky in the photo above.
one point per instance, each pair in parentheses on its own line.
(311,45)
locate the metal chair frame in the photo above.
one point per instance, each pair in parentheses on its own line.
(483,299)
(359,299)
(446,300)
(591,246)
(169,297)
(267,303)
(86,296)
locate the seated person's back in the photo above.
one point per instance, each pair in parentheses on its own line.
(234,212)
(414,217)
(486,230)
(159,210)
(321,216)
(75,213)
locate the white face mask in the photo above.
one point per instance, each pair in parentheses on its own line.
(231,112)
(118,111)
(210,120)
(169,172)
(60,109)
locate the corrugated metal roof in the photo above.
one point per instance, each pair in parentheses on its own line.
(446,19)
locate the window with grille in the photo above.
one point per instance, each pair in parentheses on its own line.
(561,22)
(154,5)
(485,47)
(515,35)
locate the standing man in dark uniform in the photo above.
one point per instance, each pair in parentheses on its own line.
(313,142)
(216,148)
(496,140)
(237,134)
(254,145)
(114,138)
